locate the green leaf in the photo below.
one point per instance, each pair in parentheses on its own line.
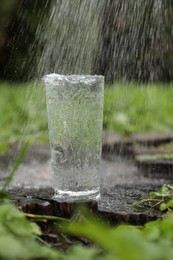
(84,253)
(120,243)
(151,231)
(15,221)
(12,248)
(170,203)
(165,191)
(163,206)
(166,227)
(170,186)
(18,237)
(35,229)
(152,195)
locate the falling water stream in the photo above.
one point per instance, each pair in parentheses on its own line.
(70,41)
(72,37)
(121,39)
(137,40)
(72,47)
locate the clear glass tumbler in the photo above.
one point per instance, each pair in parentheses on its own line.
(75,116)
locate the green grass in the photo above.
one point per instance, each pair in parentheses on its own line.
(132,108)
(22,113)
(128,109)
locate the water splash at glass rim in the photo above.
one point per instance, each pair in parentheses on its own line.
(53,79)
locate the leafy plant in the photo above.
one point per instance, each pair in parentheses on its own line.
(161,200)
(18,238)
(151,242)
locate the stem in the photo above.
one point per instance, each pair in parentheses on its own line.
(42,241)
(153,206)
(43,217)
(145,200)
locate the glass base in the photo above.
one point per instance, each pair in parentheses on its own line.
(78,196)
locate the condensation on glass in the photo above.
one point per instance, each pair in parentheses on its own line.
(75,115)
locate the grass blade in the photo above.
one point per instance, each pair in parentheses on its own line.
(16,165)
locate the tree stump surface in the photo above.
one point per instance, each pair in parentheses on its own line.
(122,184)
(115,204)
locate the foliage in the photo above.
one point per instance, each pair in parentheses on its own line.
(161,200)
(153,241)
(19,237)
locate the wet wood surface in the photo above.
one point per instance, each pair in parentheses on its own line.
(115,204)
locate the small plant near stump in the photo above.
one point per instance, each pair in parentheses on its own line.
(161,200)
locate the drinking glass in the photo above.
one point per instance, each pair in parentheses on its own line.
(75,116)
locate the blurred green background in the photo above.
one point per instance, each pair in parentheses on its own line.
(128,109)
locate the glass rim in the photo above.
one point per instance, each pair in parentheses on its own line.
(72,78)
